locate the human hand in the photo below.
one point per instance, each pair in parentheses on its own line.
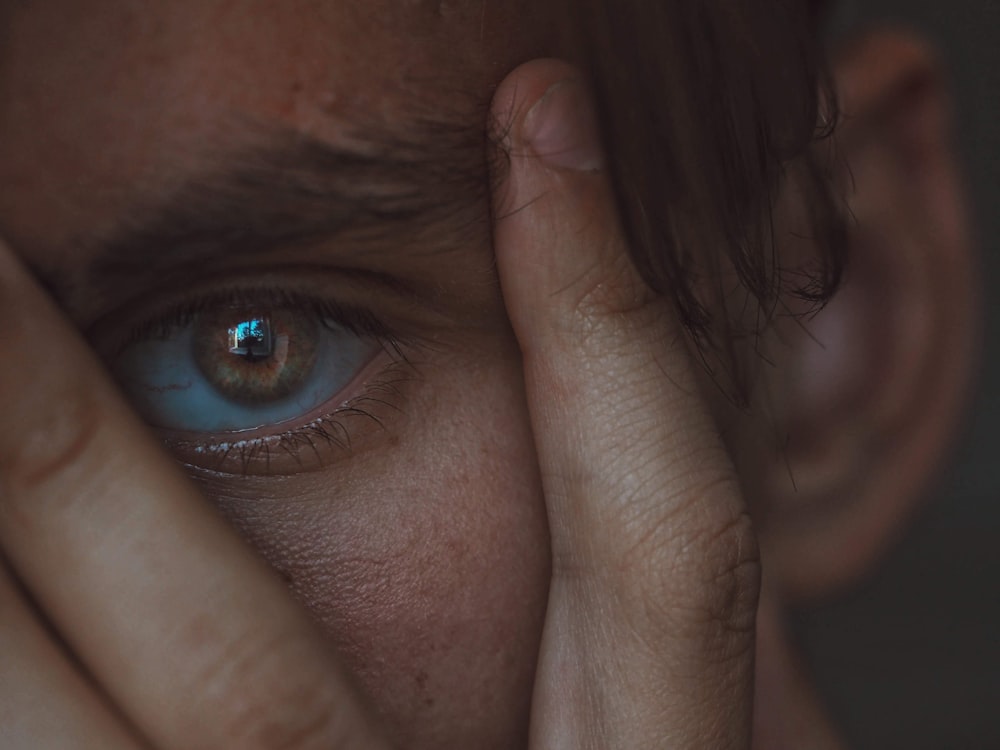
(131,615)
(649,633)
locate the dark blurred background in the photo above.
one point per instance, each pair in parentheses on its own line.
(912,658)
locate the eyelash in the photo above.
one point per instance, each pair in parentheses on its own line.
(383,389)
(328,429)
(356,320)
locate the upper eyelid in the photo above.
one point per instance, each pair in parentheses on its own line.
(370,303)
(355,319)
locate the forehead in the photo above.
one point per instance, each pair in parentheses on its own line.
(103,98)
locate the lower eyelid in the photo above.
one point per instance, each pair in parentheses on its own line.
(374,401)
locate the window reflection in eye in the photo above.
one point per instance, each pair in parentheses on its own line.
(241,368)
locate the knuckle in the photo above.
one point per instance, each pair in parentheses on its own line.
(611,287)
(731,578)
(276,695)
(700,574)
(51,405)
(53,438)
(607,288)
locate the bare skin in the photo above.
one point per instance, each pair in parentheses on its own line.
(676,564)
(422,551)
(535,537)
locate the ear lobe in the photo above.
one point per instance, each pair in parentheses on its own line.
(872,388)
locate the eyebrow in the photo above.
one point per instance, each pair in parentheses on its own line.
(380,193)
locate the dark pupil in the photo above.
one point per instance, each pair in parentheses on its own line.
(255,358)
(251,339)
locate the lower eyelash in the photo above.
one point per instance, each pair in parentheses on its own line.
(383,392)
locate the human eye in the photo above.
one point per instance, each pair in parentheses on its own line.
(254,379)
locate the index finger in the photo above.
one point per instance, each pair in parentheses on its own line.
(649,634)
(184,627)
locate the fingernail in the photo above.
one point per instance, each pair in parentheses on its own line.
(562,130)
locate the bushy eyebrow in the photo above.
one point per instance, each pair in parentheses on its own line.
(379,192)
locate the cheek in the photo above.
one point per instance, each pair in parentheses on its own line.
(427,562)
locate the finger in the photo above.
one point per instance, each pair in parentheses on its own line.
(189,632)
(649,634)
(44,701)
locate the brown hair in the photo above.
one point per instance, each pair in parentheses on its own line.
(704,107)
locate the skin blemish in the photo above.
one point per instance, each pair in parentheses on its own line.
(421,680)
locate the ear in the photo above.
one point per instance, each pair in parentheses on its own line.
(866,395)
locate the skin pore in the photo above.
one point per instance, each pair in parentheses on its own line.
(159,157)
(424,549)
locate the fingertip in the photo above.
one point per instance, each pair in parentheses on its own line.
(543,109)
(522,88)
(561,255)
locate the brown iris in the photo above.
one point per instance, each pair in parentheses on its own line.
(256,358)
